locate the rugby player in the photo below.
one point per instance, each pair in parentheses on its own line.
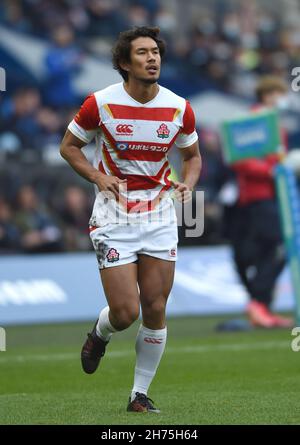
(135,122)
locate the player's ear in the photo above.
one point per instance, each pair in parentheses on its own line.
(125,66)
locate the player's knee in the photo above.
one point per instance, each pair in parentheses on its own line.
(125,316)
(155,308)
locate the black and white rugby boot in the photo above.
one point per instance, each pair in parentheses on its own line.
(92,351)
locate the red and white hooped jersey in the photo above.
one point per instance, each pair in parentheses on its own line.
(132,143)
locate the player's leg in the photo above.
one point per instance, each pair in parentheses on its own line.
(120,287)
(121,291)
(155,278)
(114,245)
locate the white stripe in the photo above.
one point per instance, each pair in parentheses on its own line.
(143,130)
(131,167)
(185,140)
(143,195)
(17,394)
(234,347)
(82,134)
(136,167)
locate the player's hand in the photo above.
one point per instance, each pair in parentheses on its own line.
(182,191)
(110,185)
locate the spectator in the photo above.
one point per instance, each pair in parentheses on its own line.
(213,175)
(39,233)
(214,45)
(62,62)
(256,232)
(75,215)
(106,17)
(50,126)
(9,234)
(19,116)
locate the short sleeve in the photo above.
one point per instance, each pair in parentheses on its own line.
(86,122)
(188,134)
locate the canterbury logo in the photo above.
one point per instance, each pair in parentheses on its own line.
(154,341)
(124,129)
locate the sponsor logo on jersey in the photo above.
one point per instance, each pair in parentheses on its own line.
(124,129)
(163,132)
(154,341)
(122,146)
(112,255)
(125,146)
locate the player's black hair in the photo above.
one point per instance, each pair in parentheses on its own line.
(122,47)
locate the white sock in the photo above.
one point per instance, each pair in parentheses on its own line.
(149,347)
(104,328)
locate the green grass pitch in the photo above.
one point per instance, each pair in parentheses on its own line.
(205,377)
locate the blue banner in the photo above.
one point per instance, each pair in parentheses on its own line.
(289,203)
(67,287)
(253,136)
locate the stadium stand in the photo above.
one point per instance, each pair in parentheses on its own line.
(221,47)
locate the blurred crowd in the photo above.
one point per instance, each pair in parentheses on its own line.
(220,44)
(29,224)
(220,41)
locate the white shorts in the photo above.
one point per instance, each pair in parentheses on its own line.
(117,244)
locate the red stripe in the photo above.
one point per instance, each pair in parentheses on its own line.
(140,206)
(109,136)
(188,122)
(167,181)
(88,115)
(144,182)
(145,206)
(142,155)
(136,154)
(112,166)
(135,182)
(101,168)
(142,113)
(145,155)
(141,182)
(139,155)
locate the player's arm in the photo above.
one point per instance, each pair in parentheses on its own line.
(70,150)
(187,142)
(79,133)
(190,172)
(191,166)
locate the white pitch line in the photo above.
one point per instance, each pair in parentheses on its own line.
(171,350)
(16,394)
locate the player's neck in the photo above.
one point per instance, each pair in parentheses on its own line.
(141,92)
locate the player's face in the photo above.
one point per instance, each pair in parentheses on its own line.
(145,60)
